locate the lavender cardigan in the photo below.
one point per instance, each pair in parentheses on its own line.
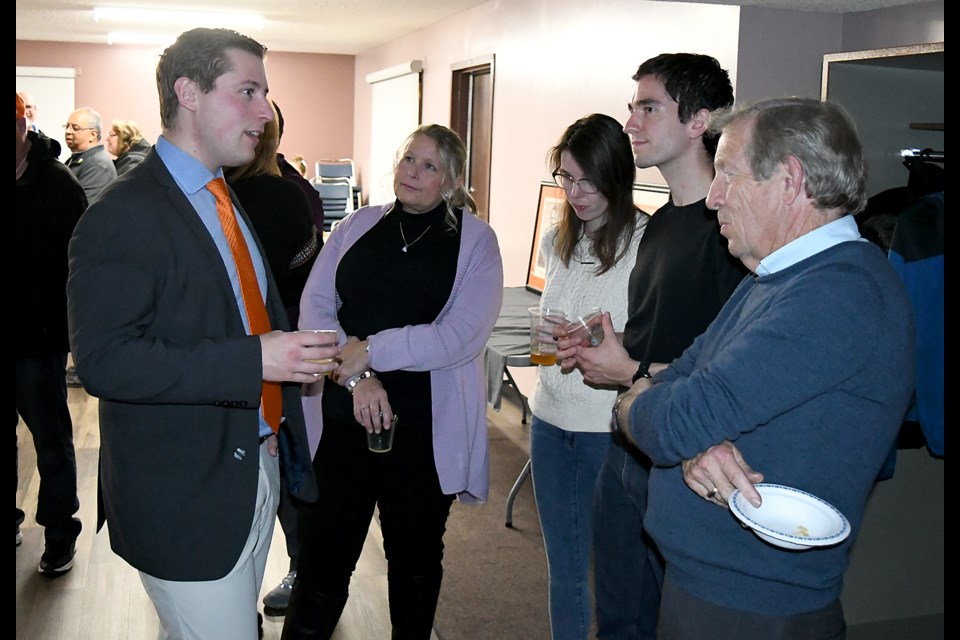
(450,348)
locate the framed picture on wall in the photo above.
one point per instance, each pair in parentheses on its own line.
(650,197)
(549,208)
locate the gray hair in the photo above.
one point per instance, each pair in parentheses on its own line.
(820,135)
(94,121)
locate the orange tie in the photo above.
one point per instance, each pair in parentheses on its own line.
(271,400)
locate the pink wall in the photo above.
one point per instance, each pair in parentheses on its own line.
(314,91)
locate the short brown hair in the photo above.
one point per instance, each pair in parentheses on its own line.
(201,55)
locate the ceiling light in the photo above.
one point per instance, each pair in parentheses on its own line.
(185,19)
(126,37)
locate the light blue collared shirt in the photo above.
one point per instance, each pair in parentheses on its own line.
(192,178)
(820,239)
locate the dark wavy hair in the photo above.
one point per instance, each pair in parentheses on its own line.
(601,148)
(695,81)
(201,55)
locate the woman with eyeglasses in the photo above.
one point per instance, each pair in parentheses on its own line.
(588,256)
(126,144)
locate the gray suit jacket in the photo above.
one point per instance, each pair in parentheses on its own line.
(157,336)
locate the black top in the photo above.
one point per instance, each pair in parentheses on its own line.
(383,287)
(50,201)
(683,276)
(132,156)
(282,220)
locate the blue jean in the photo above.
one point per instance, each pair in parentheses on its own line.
(628,571)
(565,465)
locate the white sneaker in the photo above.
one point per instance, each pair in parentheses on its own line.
(279,597)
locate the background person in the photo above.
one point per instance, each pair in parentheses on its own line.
(414,289)
(30,110)
(88,161)
(807,370)
(588,258)
(169,294)
(282,220)
(49,204)
(126,144)
(682,276)
(296,176)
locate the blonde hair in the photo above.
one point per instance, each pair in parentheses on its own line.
(300,164)
(453,157)
(128,134)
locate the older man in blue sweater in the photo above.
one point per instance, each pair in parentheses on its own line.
(806,374)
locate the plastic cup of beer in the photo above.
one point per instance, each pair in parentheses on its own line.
(382,441)
(545,324)
(587,329)
(328,337)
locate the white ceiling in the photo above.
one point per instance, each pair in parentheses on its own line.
(315,26)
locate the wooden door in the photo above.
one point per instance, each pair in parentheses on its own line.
(472,118)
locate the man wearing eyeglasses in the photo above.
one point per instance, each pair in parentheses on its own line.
(90,162)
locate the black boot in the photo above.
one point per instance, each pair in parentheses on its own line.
(311,615)
(413,603)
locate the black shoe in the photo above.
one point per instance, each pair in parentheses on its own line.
(57,558)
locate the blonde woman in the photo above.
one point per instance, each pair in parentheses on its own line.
(126,143)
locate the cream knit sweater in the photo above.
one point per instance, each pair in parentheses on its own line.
(563,399)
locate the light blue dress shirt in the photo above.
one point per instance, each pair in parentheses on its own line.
(192,178)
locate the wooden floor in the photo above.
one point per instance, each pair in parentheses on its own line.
(102,597)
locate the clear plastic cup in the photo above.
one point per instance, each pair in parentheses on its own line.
(587,329)
(543,327)
(382,442)
(328,338)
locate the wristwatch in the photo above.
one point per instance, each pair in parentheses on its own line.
(643,371)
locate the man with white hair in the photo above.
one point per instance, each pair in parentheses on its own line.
(806,373)
(90,162)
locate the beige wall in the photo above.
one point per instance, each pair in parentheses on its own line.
(556,60)
(314,91)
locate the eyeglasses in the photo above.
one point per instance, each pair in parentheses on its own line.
(76,127)
(566,182)
(112,134)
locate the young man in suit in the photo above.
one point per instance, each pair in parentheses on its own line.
(169,333)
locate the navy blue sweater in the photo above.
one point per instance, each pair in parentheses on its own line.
(809,371)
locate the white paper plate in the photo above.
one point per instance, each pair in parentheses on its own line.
(790,518)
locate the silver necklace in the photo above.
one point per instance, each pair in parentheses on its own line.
(407,245)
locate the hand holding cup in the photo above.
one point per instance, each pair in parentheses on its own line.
(545,326)
(322,340)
